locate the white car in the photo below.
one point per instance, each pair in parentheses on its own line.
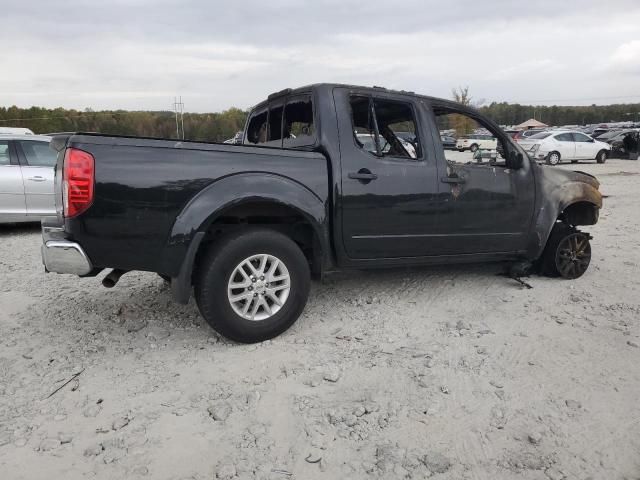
(474,142)
(27,166)
(561,145)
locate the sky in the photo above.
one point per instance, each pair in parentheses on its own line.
(140,54)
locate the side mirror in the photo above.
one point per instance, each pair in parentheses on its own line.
(515,160)
(591,140)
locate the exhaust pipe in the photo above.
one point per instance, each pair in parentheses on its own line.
(112,277)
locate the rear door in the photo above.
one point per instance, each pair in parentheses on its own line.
(389,188)
(565,145)
(38,167)
(12,201)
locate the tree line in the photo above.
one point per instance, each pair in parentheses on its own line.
(217,127)
(210,127)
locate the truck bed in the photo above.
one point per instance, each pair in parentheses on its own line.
(143,184)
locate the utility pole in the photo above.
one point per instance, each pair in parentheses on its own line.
(178,108)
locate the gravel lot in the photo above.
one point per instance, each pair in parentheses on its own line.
(454,373)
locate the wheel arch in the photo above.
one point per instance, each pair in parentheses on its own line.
(217,208)
(574,203)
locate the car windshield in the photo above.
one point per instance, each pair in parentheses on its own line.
(540,135)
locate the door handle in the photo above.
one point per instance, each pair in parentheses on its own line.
(454,180)
(37,178)
(364,175)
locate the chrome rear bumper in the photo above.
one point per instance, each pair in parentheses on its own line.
(63,256)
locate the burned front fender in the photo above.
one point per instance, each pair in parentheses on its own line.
(569,196)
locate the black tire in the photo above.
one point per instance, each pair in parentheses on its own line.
(602,156)
(473,148)
(214,273)
(567,253)
(553,158)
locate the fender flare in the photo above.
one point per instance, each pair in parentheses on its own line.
(204,208)
(554,203)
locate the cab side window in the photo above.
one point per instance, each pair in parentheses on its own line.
(385,128)
(283,123)
(475,143)
(257,128)
(298,128)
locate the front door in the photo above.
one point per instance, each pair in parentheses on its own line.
(487,206)
(586,147)
(389,184)
(38,168)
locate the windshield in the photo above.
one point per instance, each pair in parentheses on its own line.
(540,135)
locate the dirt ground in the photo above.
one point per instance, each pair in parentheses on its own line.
(449,373)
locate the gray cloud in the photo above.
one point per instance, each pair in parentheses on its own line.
(139,54)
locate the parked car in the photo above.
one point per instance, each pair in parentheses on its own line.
(15,131)
(625,144)
(245,226)
(561,145)
(606,135)
(448,142)
(524,134)
(475,141)
(26,178)
(236,139)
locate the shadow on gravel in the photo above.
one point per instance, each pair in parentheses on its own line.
(7,229)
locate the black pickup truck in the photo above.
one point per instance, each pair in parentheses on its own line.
(327,177)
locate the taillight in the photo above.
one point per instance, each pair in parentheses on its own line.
(78,172)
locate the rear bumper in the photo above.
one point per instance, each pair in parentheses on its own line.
(61,255)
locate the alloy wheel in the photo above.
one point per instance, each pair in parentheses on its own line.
(573,255)
(259,287)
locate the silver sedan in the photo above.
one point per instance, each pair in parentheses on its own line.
(27,166)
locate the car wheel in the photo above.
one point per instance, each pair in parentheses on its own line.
(602,156)
(567,254)
(473,148)
(553,158)
(253,285)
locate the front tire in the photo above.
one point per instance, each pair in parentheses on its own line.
(253,285)
(567,254)
(473,148)
(553,158)
(602,156)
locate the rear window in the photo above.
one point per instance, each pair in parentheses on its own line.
(540,135)
(38,154)
(287,124)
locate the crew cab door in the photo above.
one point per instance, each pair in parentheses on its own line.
(389,183)
(38,169)
(12,201)
(487,205)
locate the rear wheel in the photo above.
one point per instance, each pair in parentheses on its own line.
(473,147)
(553,158)
(602,156)
(567,254)
(253,285)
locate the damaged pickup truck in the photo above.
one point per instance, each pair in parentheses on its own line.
(327,177)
